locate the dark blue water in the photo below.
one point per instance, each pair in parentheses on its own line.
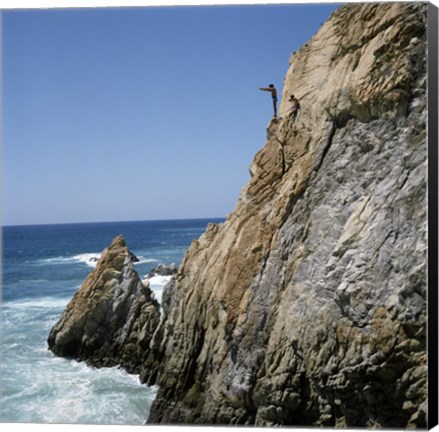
(43,266)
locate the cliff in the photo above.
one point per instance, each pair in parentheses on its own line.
(308,305)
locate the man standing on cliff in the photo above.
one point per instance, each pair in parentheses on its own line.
(294,107)
(272,89)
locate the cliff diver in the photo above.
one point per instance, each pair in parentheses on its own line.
(295,106)
(272,89)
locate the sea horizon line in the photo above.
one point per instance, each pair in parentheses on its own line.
(214,218)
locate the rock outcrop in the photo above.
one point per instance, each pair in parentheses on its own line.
(308,305)
(112,317)
(163,270)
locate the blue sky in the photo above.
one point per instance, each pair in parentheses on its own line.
(143,113)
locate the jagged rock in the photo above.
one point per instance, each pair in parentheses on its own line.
(163,270)
(308,305)
(111,319)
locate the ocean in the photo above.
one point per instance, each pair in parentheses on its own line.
(43,266)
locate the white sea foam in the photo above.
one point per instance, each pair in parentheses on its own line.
(43,303)
(157,283)
(64,391)
(39,387)
(82,396)
(90,259)
(143,260)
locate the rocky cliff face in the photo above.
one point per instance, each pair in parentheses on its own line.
(111,319)
(308,305)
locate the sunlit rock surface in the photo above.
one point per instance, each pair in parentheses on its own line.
(308,305)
